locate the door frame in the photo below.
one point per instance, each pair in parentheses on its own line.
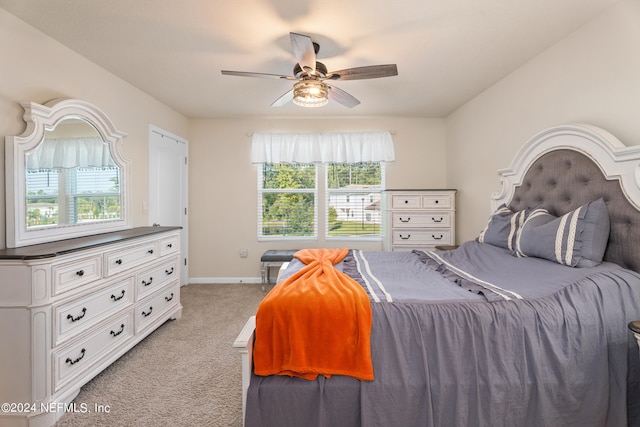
(154,191)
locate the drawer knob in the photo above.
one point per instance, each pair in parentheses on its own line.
(170,245)
(146,314)
(150,251)
(149,282)
(118,261)
(169,298)
(73,362)
(115,298)
(80,273)
(115,334)
(437,220)
(437,237)
(75,319)
(169,272)
(406,201)
(437,201)
(405,238)
(405,220)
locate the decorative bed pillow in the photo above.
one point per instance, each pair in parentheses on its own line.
(578,238)
(503,228)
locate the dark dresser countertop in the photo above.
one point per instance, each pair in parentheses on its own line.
(61,247)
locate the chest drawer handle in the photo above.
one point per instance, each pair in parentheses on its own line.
(149,282)
(169,298)
(405,238)
(437,237)
(170,245)
(118,261)
(169,272)
(75,319)
(80,273)
(146,314)
(73,362)
(150,251)
(115,334)
(115,298)
(405,220)
(406,201)
(437,220)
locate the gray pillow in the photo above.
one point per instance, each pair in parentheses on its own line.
(578,238)
(503,228)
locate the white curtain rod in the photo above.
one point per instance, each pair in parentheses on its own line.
(250,134)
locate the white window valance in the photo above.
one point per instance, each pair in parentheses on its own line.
(56,153)
(349,147)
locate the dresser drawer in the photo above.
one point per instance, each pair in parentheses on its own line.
(156,305)
(402,201)
(74,359)
(156,277)
(169,245)
(421,220)
(411,237)
(127,258)
(76,316)
(76,273)
(437,201)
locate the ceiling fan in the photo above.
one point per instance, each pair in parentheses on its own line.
(311,88)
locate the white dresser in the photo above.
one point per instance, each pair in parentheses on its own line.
(419,219)
(69,309)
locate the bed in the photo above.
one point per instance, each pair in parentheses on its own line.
(526,325)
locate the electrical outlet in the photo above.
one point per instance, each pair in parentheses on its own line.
(244,253)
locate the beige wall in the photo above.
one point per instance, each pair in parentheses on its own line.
(37,68)
(223,184)
(592,76)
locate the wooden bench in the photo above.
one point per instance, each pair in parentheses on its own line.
(273,258)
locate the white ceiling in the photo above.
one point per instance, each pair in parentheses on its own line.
(447,51)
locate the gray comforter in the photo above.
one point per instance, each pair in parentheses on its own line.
(477,337)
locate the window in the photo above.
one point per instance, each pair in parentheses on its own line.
(354,199)
(287,200)
(288,203)
(72,195)
(352,167)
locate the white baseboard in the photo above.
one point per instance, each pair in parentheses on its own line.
(219,280)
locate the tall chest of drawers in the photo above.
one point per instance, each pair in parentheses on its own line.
(419,219)
(69,309)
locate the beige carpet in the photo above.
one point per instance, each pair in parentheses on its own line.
(184,374)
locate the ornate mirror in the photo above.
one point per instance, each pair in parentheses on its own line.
(65,175)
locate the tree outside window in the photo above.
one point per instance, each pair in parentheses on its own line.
(288,200)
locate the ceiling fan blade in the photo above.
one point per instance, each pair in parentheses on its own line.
(342,97)
(284,99)
(368,72)
(262,75)
(303,51)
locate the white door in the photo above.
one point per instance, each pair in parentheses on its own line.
(168,186)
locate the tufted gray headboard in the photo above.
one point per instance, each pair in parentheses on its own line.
(563,180)
(564,167)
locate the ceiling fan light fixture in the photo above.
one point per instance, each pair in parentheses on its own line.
(310,93)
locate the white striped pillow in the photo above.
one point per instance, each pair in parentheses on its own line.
(503,228)
(577,239)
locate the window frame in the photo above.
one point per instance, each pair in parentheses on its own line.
(261,191)
(350,192)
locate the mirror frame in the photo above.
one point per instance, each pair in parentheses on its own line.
(40,118)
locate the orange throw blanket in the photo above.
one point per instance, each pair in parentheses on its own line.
(316,322)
